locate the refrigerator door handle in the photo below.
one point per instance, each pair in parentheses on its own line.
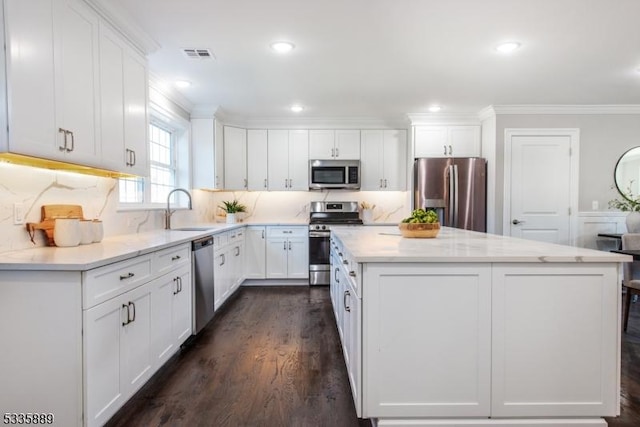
(450,202)
(455,195)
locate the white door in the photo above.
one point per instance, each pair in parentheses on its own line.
(218,278)
(182,306)
(255,257)
(235,158)
(464,141)
(278,159)
(277,258)
(431,141)
(163,344)
(540,184)
(395,160)
(257,160)
(135,112)
(299,160)
(135,336)
(298,257)
(321,144)
(347,144)
(371,162)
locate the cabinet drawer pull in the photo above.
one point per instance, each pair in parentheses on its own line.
(352,273)
(127,276)
(175,258)
(128,320)
(345,262)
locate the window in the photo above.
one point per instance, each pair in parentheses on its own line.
(168,166)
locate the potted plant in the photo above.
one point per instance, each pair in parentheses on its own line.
(232,208)
(628,203)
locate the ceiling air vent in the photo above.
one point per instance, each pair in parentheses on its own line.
(193,53)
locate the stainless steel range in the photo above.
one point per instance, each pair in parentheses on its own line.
(322,215)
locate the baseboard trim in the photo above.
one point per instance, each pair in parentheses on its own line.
(276,282)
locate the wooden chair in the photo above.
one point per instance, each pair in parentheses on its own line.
(631,275)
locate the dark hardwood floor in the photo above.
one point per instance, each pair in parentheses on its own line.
(272,357)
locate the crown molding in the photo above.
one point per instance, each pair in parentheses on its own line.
(417,119)
(168,91)
(566,109)
(310,122)
(122,21)
(486,113)
(205,111)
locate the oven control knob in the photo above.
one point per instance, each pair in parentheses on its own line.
(324,227)
(317,227)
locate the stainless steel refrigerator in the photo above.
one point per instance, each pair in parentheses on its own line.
(455,187)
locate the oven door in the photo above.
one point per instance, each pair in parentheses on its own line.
(319,268)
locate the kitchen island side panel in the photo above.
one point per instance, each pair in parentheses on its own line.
(41,349)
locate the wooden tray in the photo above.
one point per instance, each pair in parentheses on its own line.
(48,214)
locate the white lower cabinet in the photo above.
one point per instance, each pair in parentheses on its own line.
(130,335)
(117,352)
(287,253)
(228,265)
(170,314)
(255,252)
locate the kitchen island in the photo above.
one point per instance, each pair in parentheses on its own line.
(476,329)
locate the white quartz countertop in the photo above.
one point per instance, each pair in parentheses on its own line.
(385,244)
(112,249)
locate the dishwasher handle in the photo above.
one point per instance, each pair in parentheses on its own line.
(202,243)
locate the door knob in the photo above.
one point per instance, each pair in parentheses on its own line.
(516,222)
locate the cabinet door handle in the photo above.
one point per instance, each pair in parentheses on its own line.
(385,183)
(64,132)
(333,154)
(344,300)
(265,183)
(175,280)
(286,183)
(237,250)
(132,304)
(224,259)
(285,245)
(127,276)
(128,321)
(289,245)
(345,262)
(174,258)
(450,151)
(128,156)
(445,149)
(290,183)
(133,158)
(263,234)
(335,275)
(73,142)
(245,183)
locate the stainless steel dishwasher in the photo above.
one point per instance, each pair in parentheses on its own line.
(203,279)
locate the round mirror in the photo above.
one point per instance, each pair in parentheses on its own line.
(627,174)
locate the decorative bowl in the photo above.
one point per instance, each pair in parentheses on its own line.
(419,230)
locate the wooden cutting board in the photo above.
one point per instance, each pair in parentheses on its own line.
(49,213)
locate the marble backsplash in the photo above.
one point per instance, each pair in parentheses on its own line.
(98,196)
(293,206)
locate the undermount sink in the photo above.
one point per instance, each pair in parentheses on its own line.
(192,228)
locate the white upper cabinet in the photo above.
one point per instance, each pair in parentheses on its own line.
(73,81)
(208,154)
(53,80)
(447,141)
(384,160)
(288,160)
(338,144)
(235,158)
(257,159)
(123,95)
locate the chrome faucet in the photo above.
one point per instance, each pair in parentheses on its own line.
(169,212)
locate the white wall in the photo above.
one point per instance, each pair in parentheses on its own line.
(603,139)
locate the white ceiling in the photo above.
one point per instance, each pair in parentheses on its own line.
(387,58)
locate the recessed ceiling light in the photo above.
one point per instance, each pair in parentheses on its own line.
(435,108)
(183,83)
(297,108)
(508,47)
(282,46)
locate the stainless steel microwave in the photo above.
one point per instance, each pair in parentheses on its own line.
(336,174)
